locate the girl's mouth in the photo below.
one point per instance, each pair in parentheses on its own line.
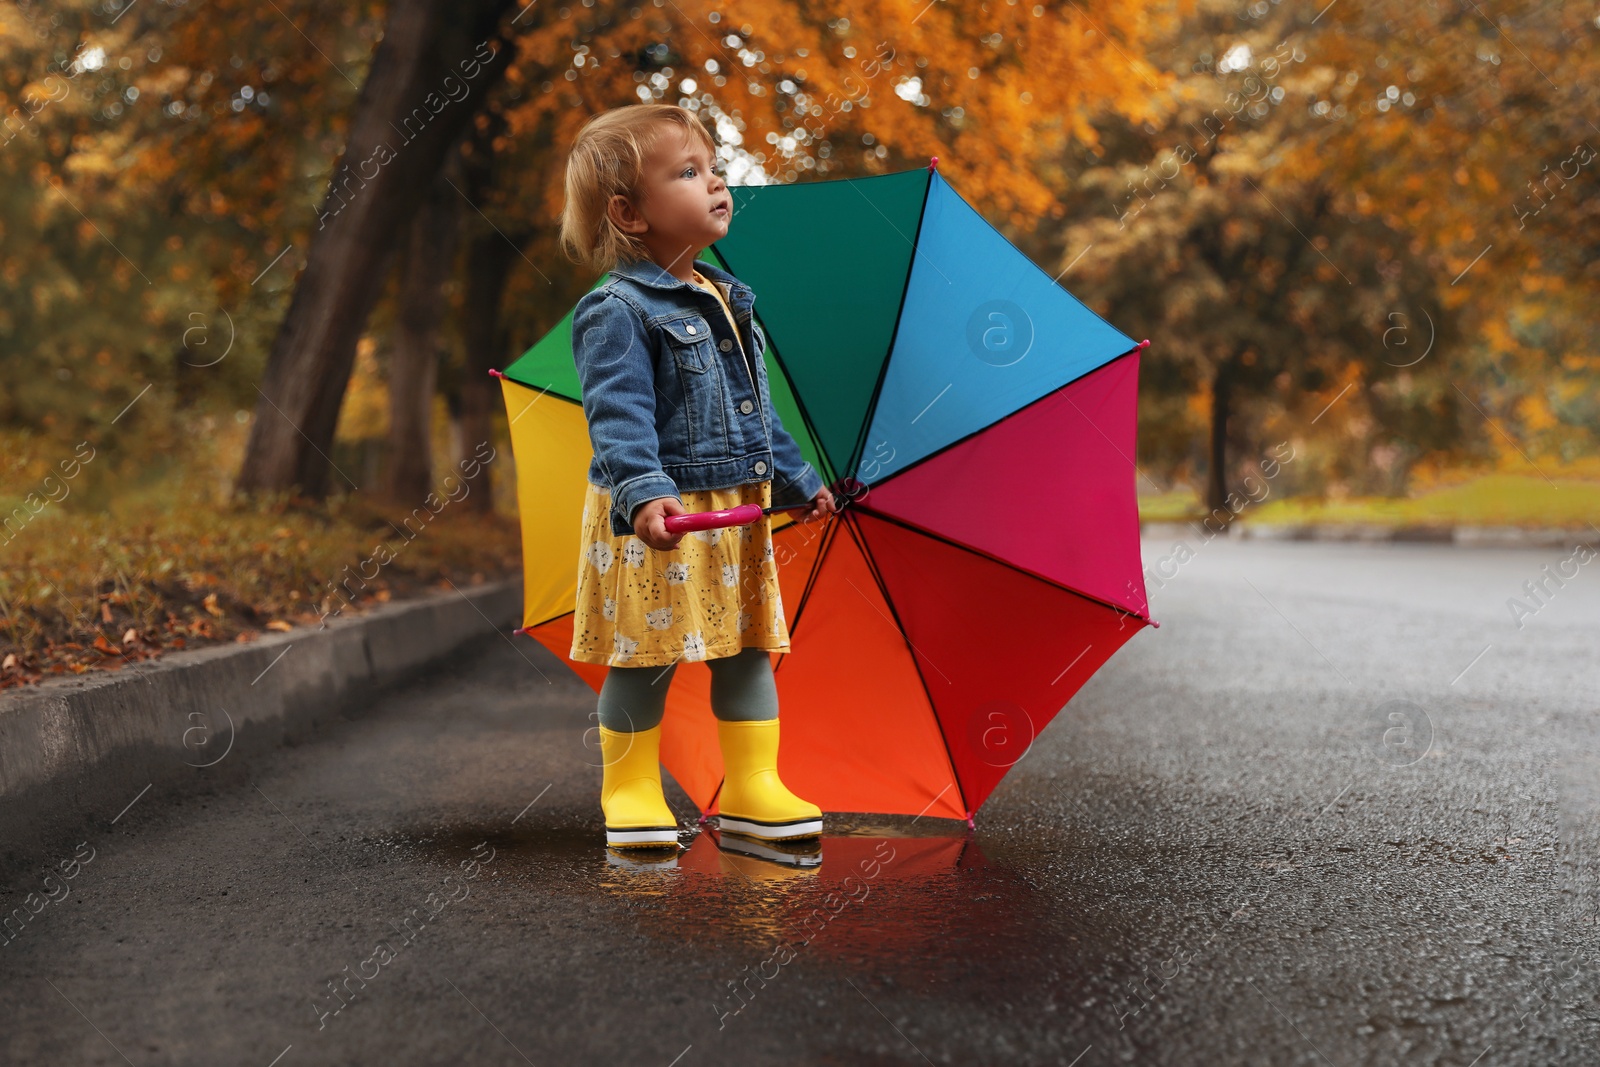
(721,210)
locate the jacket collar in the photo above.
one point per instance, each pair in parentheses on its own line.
(648,272)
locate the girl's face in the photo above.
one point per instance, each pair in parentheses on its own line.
(683,204)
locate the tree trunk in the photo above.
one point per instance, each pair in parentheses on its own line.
(1217,476)
(490,262)
(408,114)
(491,256)
(414,368)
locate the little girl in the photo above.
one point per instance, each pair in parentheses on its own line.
(675,394)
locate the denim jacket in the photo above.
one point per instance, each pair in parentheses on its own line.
(671,402)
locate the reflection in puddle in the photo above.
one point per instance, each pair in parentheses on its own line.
(924,903)
(802,855)
(874,889)
(642,859)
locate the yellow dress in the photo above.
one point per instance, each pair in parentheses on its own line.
(713,595)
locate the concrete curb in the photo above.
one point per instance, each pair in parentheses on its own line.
(1465,536)
(80,749)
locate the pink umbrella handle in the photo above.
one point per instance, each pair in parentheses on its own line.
(707,520)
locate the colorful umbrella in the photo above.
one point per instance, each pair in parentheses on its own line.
(947,613)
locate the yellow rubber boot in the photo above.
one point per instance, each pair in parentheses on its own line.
(754,801)
(636,813)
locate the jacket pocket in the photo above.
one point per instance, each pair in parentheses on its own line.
(689,337)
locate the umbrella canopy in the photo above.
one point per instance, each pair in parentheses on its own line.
(991,564)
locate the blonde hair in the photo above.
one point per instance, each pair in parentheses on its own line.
(607,158)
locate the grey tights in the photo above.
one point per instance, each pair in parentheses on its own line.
(742,690)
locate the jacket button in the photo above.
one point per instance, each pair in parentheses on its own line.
(761,466)
(726,344)
(747,407)
(690,328)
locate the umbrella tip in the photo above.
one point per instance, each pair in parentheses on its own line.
(1144,344)
(933,163)
(497,374)
(970,825)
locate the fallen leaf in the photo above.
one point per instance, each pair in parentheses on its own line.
(131,636)
(211,605)
(105,646)
(105,611)
(10,661)
(279,624)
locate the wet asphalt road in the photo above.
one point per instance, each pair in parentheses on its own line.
(1217,854)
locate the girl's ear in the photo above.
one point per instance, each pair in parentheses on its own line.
(625,216)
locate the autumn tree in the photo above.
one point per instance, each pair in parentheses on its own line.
(1475,129)
(1272,288)
(154,162)
(790,91)
(434,57)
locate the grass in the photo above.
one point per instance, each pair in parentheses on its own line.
(1497,499)
(92,584)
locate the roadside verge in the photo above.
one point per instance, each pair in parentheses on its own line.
(80,749)
(1465,536)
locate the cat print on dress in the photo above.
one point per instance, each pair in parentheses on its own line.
(600,555)
(694,646)
(676,573)
(659,619)
(610,609)
(768,553)
(730,574)
(633,552)
(623,647)
(744,621)
(710,537)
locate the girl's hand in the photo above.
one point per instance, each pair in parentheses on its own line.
(821,504)
(649,522)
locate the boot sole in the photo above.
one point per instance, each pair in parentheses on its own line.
(642,837)
(771,831)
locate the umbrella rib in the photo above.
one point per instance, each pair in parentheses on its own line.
(914,528)
(794,391)
(1011,415)
(811,578)
(899,315)
(860,537)
(544,391)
